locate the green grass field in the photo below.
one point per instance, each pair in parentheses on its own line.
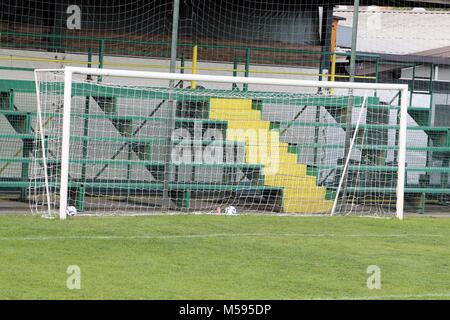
(223,257)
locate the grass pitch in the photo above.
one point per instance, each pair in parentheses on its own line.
(224,257)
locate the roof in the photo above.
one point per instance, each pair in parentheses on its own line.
(437,53)
(396,3)
(416,2)
(398,32)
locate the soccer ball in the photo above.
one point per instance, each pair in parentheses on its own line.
(71,211)
(230,210)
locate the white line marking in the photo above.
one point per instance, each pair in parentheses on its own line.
(392,296)
(214,235)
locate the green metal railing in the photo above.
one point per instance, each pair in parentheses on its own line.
(246,55)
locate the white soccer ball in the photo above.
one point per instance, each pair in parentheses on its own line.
(230,210)
(71,211)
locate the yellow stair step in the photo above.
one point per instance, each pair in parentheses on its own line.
(287,158)
(290,182)
(235,114)
(284,147)
(324,206)
(220,103)
(306,192)
(302,193)
(275,134)
(244,124)
(292,169)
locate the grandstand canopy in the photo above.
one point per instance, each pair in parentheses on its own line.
(288,24)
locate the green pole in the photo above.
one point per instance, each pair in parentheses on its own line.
(413,82)
(354,40)
(101,53)
(26,153)
(235,66)
(247,66)
(80,200)
(171,108)
(376,74)
(348,116)
(182,65)
(321,68)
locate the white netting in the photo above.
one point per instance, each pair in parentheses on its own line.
(276,150)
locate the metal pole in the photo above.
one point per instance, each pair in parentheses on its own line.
(182,68)
(247,67)
(235,71)
(101,55)
(354,40)
(85,135)
(173,48)
(348,116)
(352,75)
(170,106)
(194,65)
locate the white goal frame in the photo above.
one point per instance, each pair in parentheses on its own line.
(70,71)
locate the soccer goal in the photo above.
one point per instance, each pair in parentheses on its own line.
(132,142)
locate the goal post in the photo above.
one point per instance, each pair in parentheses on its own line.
(102,144)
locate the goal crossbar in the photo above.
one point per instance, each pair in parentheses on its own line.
(228,79)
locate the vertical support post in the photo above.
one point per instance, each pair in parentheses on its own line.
(26,153)
(320,70)
(56,26)
(413,83)
(423,201)
(182,68)
(174,40)
(402,153)
(101,54)
(377,69)
(354,40)
(247,67)
(85,135)
(182,63)
(333,51)
(444,175)
(26,149)
(316,137)
(325,39)
(433,70)
(431,101)
(235,71)
(171,106)
(194,65)
(65,149)
(348,116)
(187,200)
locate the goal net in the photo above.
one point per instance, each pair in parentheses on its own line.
(128,142)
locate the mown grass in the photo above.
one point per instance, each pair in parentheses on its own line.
(223,257)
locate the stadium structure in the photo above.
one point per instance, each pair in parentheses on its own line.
(124,139)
